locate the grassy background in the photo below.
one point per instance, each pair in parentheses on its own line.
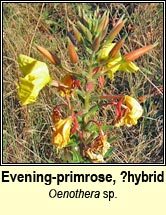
(27,131)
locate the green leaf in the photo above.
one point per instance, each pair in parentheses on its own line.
(109,152)
(79,118)
(93,110)
(112,139)
(91,127)
(76,157)
(73,141)
(106,127)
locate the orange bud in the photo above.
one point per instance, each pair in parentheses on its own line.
(50,56)
(116,29)
(72,52)
(117,47)
(137,53)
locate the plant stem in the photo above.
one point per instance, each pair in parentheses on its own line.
(87,98)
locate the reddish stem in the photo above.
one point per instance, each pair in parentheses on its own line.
(99,126)
(111,97)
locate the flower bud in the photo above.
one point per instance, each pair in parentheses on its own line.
(71,38)
(117,47)
(85,30)
(106,21)
(104,33)
(138,52)
(119,20)
(103,22)
(50,56)
(90,86)
(116,29)
(77,34)
(72,52)
(96,43)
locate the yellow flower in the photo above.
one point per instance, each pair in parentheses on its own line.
(67,80)
(113,64)
(98,148)
(128,67)
(68,85)
(61,132)
(133,112)
(36,77)
(104,52)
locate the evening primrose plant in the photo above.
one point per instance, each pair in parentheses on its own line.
(77,134)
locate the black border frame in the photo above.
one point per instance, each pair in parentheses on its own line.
(70,164)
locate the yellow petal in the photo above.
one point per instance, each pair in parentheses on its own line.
(133,113)
(36,77)
(104,52)
(113,65)
(61,133)
(97,149)
(25,92)
(136,110)
(67,80)
(26,63)
(128,67)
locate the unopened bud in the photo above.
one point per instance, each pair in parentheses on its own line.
(106,21)
(96,43)
(77,34)
(116,29)
(50,56)
(71,38)
(119,20)
(72,52)
(85,30)
(103,22)
(104,33)
(117,47)
(137,53)
(90,86)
